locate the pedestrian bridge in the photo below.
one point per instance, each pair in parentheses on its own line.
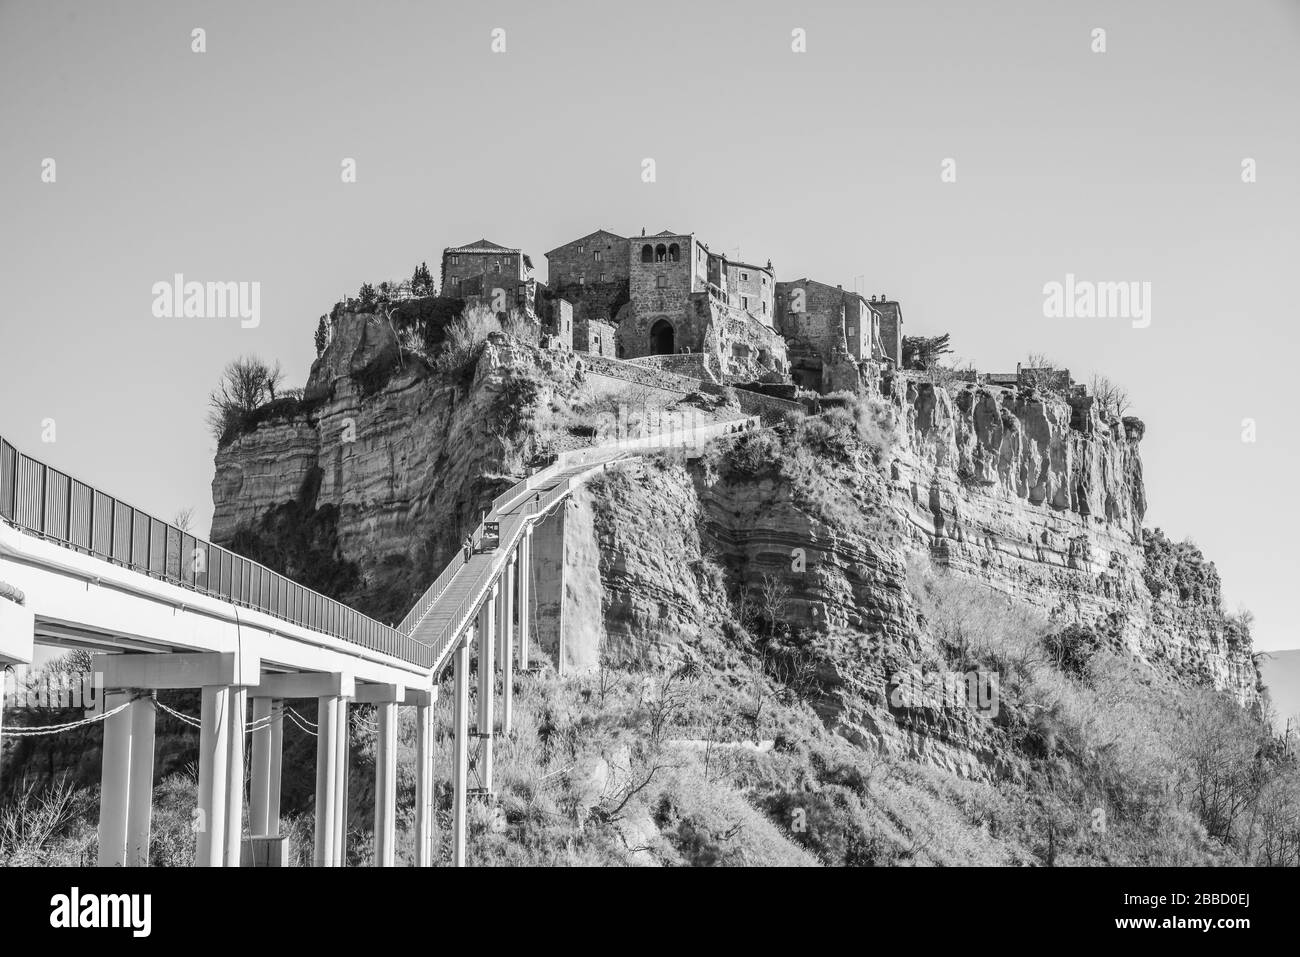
(164,609)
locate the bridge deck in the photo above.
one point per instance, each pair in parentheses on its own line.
(451,612)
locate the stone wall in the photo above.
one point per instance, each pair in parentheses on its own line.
(598,301)
(751,403)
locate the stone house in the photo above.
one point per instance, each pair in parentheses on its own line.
(480,268)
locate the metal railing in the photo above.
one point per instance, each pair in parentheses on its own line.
(51,504)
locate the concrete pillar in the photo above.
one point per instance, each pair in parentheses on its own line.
(140,813)
(460,760)
(115,782)
(264,770)
(486,685)
(235,776)
(341,788)
(424,818)
(327,755)
(386,785)
(525,583)
(214,748)
(259,770)
(2,716)
(276,773)
(506,626)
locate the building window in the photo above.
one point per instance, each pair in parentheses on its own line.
(661,282)
(765,308)
(596,255)
(674,253)
(647,254)
(582,280)
(580,247)
(498,267)
(744,303)
(455,260)
(744,277)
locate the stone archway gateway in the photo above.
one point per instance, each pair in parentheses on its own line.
(661,338)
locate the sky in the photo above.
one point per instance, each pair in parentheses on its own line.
(225,165)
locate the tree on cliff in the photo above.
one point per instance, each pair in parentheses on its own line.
(422,281)
(922,352)
(1112,397)
(366,297)
(245,384)
(322,335)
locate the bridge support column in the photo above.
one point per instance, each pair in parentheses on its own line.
(386,699)
(460,761)
(327,756)
(140,811)
(222,676)
(17,645)
(424,818)
(115,782)
(507,628)
(214,753)
(341,788)
(264,774)
(487,680)
(235,776)
(525,580)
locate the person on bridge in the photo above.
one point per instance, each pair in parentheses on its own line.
(469,547)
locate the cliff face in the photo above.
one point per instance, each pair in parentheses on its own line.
(393,459)
(1043,500)
(1032,496)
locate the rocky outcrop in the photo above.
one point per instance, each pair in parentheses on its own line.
(1030,493)
(399,457)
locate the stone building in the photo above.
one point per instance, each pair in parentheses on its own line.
(598,257)
(597,338)
(825,326)
(592,274)
(479,268)
(889,318)
(664,271)
(752,289)
(668,294)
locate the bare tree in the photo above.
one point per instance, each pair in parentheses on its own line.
(184,518)
(245,384)
(1112,398)
(774,598)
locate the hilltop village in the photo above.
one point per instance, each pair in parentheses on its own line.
(671,303)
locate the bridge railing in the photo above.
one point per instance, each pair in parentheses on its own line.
(49,503)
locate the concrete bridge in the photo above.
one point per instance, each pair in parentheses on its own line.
(164,609)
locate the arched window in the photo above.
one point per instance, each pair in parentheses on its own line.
(647,253)
(661,253)
(674,253)
(661,338)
